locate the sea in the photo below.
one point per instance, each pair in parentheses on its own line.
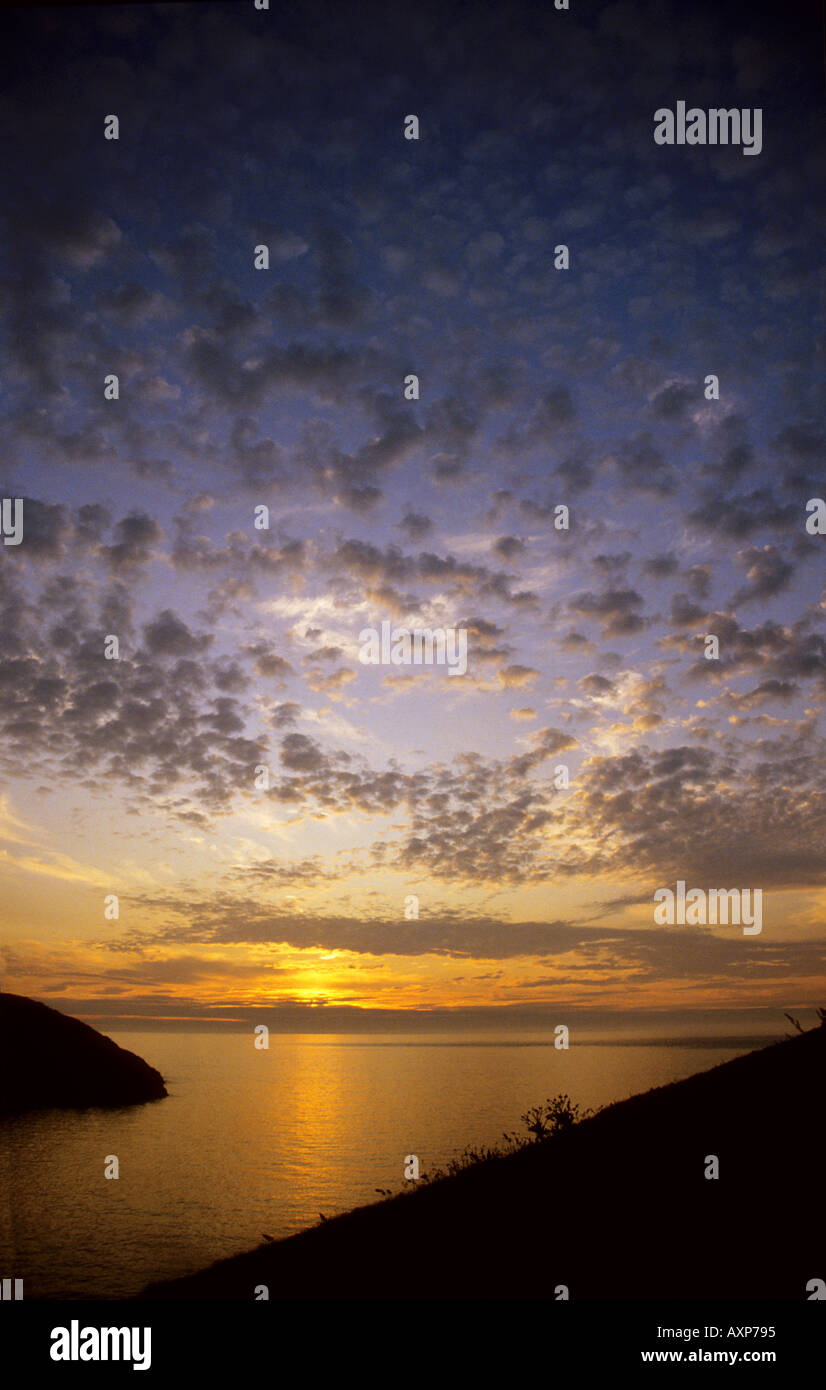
(253,1142)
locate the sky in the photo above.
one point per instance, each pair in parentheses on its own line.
(539,387)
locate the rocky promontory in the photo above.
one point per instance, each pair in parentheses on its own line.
(51,1060)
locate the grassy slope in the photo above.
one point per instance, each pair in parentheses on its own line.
(618,1208)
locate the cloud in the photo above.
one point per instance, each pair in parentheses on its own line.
(284,387)
(613,608)
(766,571)
(597,685)
(269,664)
(415,525)
(700,815)
(136,535)
(742,516)
(661,566)
(167,635)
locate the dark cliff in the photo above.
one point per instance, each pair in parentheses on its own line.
(49,1059)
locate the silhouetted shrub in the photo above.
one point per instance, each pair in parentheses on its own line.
(821,1013)
(557,1116)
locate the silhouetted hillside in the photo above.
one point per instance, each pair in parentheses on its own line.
(49,1059)
(617,1208)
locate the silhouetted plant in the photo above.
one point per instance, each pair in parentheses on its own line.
(821,1014)
(468,1158)
(557,1116)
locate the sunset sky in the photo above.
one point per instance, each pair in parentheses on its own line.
(538,387)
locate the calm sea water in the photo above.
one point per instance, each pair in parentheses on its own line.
(264,1141)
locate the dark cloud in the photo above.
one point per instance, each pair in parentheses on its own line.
(661,566)
(614,609)
(707,817)
(642,465)
(611,566)
(684,613)
(302,754)
(415,525)
(136,535)
(770,648)
(268,663)
(509,547)
(672,402)
(698,578)
(286,713)
(742,516)
(767,573)
(597,685)
(390,567)
(167,635)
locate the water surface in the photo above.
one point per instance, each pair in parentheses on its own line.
(253,1141)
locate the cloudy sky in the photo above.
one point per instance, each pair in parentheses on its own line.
(539,388)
